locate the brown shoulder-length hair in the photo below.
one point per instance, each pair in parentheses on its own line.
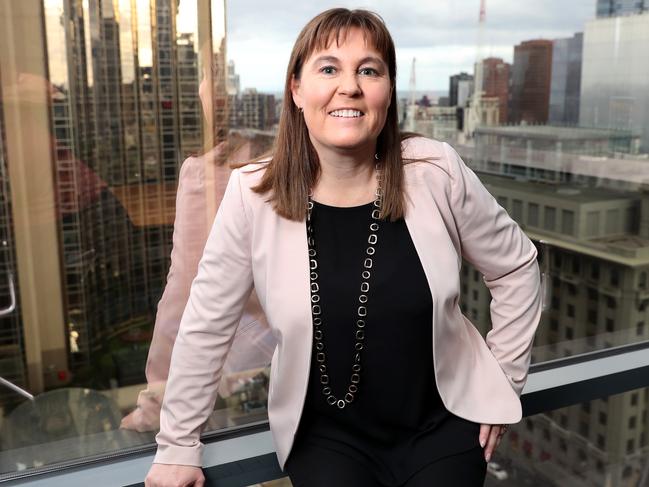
(294,166)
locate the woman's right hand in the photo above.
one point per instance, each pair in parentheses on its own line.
(163,475)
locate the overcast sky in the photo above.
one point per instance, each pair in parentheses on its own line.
(441,34)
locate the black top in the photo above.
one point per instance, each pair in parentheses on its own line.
(397,423)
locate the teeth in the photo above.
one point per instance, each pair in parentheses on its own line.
(346,113)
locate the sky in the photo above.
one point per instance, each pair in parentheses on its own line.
(441,34)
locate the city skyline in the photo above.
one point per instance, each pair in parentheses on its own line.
(444,40)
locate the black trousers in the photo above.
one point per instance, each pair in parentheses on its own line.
(312,466)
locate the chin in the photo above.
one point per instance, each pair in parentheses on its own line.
(350,143)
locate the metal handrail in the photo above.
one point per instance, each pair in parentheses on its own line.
(15,388)
(12,295)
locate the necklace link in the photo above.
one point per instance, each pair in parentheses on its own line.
(316,310)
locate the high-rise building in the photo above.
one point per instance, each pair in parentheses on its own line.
(460,88)
(123,113)
(615,70)
(257,109)
(530,89)
(612,8)
(565,86)
(233,84)
(495,83)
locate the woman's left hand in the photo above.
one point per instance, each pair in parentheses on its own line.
(490,436)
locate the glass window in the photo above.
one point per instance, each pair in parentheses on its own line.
(533,214)
(549,221)
(134,112)
(517,210)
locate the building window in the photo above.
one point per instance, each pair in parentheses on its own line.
(583,429)
(634,399)
(630,445)
(569,333)
(602,418)
(615,277)
(533,214)
(594,270)
(571,311)
(610,302)
(568,222)
(554,325)
(601,442)
(517,211)
(550,217)
(555,302)
(592,316)
(642,280)
(632,422)
(610,324)
(592,294)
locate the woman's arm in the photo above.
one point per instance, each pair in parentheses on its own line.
(498,248)
(217,297)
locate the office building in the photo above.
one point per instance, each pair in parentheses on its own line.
(598,298)
(496,75)
(531,75)
(97,238)
(233,83)
(257,110)
(437,122)
(614,8)
(565,86)
(460,89)
(614,74)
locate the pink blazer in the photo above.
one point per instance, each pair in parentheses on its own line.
(449,214)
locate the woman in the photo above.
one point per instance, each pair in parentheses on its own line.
(357,394)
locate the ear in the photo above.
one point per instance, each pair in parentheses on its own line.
(295,91)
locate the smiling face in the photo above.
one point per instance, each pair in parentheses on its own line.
(345,93)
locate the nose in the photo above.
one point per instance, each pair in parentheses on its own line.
(349,85)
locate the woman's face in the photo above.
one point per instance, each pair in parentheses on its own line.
(345,93)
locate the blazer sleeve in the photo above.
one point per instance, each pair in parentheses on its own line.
(216,301)
(500,250)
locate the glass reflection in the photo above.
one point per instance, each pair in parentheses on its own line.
(141,111)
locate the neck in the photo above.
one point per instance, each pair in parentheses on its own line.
(346,179)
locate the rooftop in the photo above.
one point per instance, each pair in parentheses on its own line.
(554,132)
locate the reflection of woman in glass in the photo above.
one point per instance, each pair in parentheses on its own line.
(353,236)
(201,185)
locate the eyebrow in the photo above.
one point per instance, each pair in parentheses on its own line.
(336,60)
